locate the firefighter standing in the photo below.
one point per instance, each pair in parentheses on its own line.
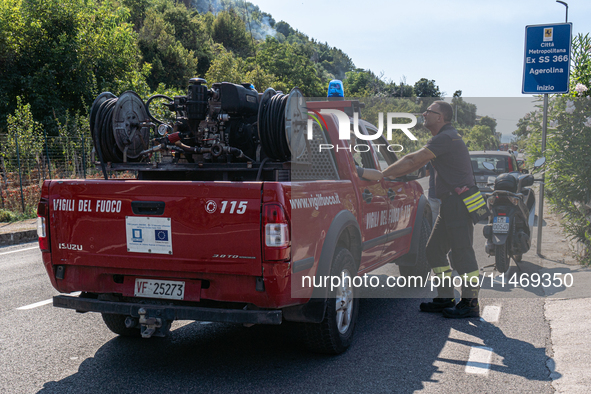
(454,228)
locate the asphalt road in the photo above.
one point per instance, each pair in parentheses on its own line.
(397,348)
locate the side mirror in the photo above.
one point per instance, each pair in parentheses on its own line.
(539,162)
(488,166)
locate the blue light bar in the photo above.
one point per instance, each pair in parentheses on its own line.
(335,88)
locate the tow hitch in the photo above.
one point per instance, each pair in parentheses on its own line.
(149,326)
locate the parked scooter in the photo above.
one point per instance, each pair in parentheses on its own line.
(512,206)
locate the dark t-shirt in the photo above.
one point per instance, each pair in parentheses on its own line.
(452,161)
(431,180)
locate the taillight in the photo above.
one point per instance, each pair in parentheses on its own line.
(276,233)
(514,200)
(42,225)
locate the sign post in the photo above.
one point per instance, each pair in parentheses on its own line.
(546,69)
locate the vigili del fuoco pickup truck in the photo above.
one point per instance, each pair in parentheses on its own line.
(208,233)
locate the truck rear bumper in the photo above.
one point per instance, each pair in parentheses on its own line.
(170,312)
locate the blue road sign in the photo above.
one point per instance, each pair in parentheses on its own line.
(546,65)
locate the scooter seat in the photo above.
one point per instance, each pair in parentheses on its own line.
(506,182)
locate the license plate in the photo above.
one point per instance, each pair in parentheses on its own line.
(501,224)
(155,288)
(481,185)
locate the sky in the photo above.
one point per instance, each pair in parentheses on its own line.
(473,46)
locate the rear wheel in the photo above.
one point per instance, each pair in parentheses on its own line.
(421,268)
(502,260)
(116,323)
(335,333)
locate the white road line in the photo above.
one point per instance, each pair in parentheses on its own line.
(41,303)
(491,314)
(35,305)
(20,250)
(479,360)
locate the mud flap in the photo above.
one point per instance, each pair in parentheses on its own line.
(499,239)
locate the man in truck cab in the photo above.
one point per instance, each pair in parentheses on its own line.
(454,228)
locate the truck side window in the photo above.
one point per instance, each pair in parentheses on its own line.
(362,157)
(360,150)
(385,157)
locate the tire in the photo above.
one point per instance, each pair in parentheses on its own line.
(421,268)
(116,323)
(502,259)
(335,333)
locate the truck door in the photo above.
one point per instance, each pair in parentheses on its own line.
(400,202)
(373,206)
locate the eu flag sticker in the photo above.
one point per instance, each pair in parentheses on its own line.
(161,235)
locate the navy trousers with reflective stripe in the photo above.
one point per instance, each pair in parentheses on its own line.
(453,231)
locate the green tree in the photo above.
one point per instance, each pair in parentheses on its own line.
(581,65)
(24,131)
(568,161)
(230,30)
(567,168)
(59,54)
(404,89)
(225,67)
(464,112)
(426,88)
(489,122)
(172,64)
(428,91)
(480,137)
(291,68)
(361,83)
(137,12)
(190,30)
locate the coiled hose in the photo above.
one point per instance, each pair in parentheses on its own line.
(110,114)
(272,128)
(157,121)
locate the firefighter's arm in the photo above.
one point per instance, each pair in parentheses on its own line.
(409,163)
(369,174)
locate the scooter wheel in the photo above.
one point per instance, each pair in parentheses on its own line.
(502,260)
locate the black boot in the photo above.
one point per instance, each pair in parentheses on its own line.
(467,307)
(444,299)
(437,305)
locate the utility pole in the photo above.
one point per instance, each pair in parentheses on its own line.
(544,129)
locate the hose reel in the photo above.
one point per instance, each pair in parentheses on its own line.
(227,123)
(118,128)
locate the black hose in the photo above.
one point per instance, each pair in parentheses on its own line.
(272,128)
(148,106)
(99,151)
(103,135)
(105,117)
(98,130)
(116,153)
(266,159)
